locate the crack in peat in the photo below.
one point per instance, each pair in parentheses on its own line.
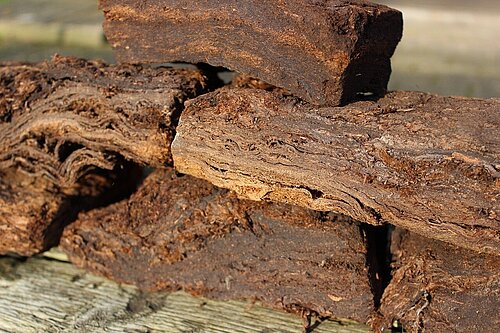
(378,259)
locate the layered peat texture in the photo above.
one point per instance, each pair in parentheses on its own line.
(67,119)
(426,163)
(440,288)
(179,232)
(326,52)
(34,211)
(60,117)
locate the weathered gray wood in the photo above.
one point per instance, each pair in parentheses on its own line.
(427,163)
(42,295)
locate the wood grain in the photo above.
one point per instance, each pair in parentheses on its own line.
(41,295)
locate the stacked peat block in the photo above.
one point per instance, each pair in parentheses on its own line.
(251,178)
(180,232)
(72,136)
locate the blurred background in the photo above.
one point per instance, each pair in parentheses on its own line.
(450,47)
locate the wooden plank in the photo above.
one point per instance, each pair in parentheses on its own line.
(326,52)
(41,295)
(427,163)
(180,232)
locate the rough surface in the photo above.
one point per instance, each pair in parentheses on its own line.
(426,163)
(67,129)
(325,52)
(441,288)
(33,211)
(249,82)
(61,117)
(184,233)
(81,302)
